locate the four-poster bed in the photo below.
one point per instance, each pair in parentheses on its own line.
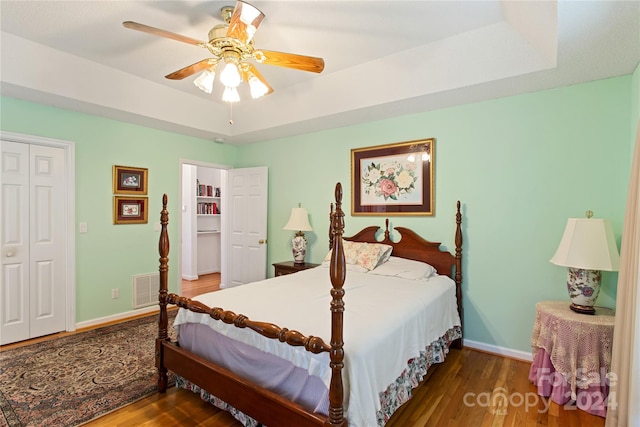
(335,386)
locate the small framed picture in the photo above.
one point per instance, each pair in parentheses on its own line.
(129,210)
(129,180)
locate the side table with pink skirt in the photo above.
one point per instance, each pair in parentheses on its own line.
(572,355)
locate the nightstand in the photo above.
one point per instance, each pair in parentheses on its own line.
(572,355)
(288,267)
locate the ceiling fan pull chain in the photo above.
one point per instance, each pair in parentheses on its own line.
(231,113)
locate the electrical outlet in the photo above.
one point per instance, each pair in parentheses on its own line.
(83,227)
(115,293)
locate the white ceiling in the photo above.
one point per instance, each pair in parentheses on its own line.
(383,58)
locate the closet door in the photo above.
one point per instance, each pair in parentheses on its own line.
(14,303)
(33,281)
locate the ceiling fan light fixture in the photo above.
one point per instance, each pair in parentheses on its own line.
(230,94)
(230,75)
(231,45)
(204,82)
(257,88)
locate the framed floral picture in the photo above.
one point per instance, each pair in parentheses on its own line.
(129,180)
(393,179)
(129,210)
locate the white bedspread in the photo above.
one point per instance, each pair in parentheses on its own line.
(387,321)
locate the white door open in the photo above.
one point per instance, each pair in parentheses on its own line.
(33,280)
(247,225)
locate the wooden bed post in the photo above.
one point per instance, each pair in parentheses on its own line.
(458,276)
(163,320)
(331,213)
(337,272)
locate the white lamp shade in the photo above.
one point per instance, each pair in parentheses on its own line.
(299,220)
(257,88)
(204,82)
(230,94)
(588,243)
(230,75)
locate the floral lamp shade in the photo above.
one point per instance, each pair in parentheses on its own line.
(587,247)
(299,221)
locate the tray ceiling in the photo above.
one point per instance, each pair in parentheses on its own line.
(383,59)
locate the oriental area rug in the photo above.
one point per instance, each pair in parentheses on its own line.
(73,379)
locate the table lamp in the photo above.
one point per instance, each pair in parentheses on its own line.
(299,221)
(586,248)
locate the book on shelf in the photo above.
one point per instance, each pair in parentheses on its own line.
(207,208)
(208,191)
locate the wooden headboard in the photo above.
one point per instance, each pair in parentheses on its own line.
(411,246)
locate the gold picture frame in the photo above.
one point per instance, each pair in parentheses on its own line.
(129,180)
(393,179)
(130,210)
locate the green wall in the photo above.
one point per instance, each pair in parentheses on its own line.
(520,166)
(109,255)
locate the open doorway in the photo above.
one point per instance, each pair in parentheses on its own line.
(202,227)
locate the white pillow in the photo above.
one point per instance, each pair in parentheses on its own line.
(405,268)
(350,267)
(367,255)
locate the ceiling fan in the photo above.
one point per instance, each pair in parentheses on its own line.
(231,45)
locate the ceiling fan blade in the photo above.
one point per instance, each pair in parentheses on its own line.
(290,60)
(249,70)
(162,33)
(244,22)
(192,69)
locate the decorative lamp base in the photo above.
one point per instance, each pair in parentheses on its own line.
(299,248)
(583,287)
(582,309)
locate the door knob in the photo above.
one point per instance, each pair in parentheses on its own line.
(262,241)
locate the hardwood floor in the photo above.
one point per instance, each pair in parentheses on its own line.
(461,393)
(465,391)
(205,283)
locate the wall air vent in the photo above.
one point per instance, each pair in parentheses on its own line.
(145,289)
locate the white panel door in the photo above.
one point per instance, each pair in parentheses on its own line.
(247,225)
(47,240)
(14,282)
(34,254)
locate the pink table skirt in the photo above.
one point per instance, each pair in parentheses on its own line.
(551,383)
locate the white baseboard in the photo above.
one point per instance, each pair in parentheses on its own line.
(189,277)
(502,351)
(116,317)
